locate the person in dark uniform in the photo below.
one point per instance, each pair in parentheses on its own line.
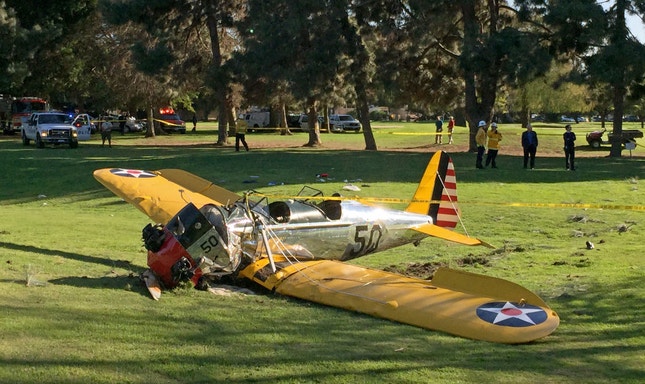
(438,129)
(122,118)
(569,148)
(530,144)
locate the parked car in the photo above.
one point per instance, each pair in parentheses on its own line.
(131,124)
(567,119)
(342,123)
(597,118)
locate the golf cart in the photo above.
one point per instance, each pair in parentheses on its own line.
(595,139)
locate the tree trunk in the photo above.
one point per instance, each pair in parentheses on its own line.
(364,112)
(616,140)
(150,126)
(219,84)
(525,113)
(325,122)
(362,77)
(314,127)
(477,72)
(283,121)
(618,83)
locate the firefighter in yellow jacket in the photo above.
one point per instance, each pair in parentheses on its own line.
(494,137)
(240,134)
(480,140)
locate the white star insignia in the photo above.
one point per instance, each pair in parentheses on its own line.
(132,173)
(510,310)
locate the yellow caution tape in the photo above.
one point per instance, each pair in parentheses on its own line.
(418,133)
(167,123)
(408,201)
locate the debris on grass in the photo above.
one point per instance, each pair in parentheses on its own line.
(577,233)
(30,277)
(624,227)
(229,290)
(473,260)
(582,263)
(578,219)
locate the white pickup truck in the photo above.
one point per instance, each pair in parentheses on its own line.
(56,128)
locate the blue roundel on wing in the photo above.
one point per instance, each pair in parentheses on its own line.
(136,173)
(511,314)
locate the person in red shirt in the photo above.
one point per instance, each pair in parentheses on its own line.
(451,126)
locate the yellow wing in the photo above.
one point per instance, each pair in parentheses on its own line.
(161,194)
(460,303)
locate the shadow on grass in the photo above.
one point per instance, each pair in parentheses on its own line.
(130,282)
(72,256)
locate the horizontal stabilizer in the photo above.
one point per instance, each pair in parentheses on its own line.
(446,234)
(509,314)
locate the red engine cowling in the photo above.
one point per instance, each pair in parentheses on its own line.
(172,263)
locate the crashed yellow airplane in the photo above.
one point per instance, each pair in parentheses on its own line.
(296,247)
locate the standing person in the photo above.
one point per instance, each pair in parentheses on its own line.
(569,147)
(530,144)
(122,118)
(480,140)
(494,137)
(194,122)
(451,127)
(106,133)
(439,128)
(240,135)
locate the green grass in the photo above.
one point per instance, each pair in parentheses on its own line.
(85,317)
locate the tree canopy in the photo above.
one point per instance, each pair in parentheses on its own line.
(471,58)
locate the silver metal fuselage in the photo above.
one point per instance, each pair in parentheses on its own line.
(360,229)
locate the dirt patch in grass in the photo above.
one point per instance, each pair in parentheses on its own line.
(423,271)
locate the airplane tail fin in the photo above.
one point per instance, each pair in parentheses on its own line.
(436,195)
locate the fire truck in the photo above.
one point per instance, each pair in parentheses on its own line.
(5,112)
(21,109)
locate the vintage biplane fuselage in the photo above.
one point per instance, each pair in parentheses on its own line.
(217,241)
(341,229)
